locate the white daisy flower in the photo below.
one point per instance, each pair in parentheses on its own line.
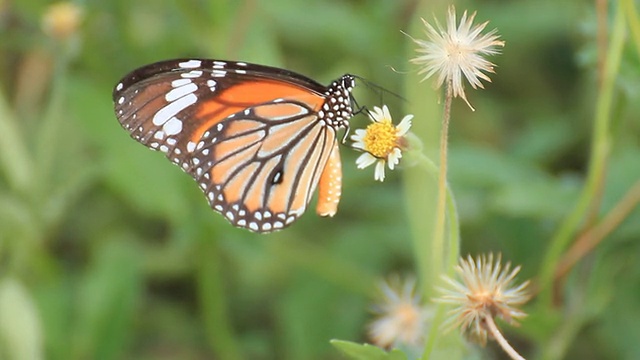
(456,52)
(486,290)
(401,317)
(381,141)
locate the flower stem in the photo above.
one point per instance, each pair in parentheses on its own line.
(446,208)
(633,21)
(438,238)
(590,239)
(491,326)
(453,248)
(453,254)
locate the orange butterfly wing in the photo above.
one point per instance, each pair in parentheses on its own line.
(258,140)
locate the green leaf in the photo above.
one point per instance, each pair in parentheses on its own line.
(367,351)
(15,161)
(107,302)
(20,328)
(541,198)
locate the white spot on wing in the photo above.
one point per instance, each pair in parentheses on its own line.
(181,91)
(173,126)
(190,64)
(180,82)
(191,146)
(192,74)
(171,109)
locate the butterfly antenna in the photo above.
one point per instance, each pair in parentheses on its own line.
(377,88)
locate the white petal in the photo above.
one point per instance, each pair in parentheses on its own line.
(360,133)
(404,125)
(358,139)
(365,160)
(379,173)
(376,115)
(394,158)
(385,112)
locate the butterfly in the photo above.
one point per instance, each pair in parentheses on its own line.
(258,140)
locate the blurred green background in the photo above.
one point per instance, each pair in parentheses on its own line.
(107,251)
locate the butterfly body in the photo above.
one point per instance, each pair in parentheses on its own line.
(257,139)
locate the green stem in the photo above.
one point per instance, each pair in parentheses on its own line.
(453,253)
(49,133)
(14,157)
(438,255)
(633,21)
(434,331)
(451,212)
(600,149)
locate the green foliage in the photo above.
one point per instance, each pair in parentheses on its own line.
(366,351)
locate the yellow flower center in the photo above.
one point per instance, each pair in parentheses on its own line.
(62,20)
(381,138)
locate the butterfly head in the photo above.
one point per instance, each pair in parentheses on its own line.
(336,110)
